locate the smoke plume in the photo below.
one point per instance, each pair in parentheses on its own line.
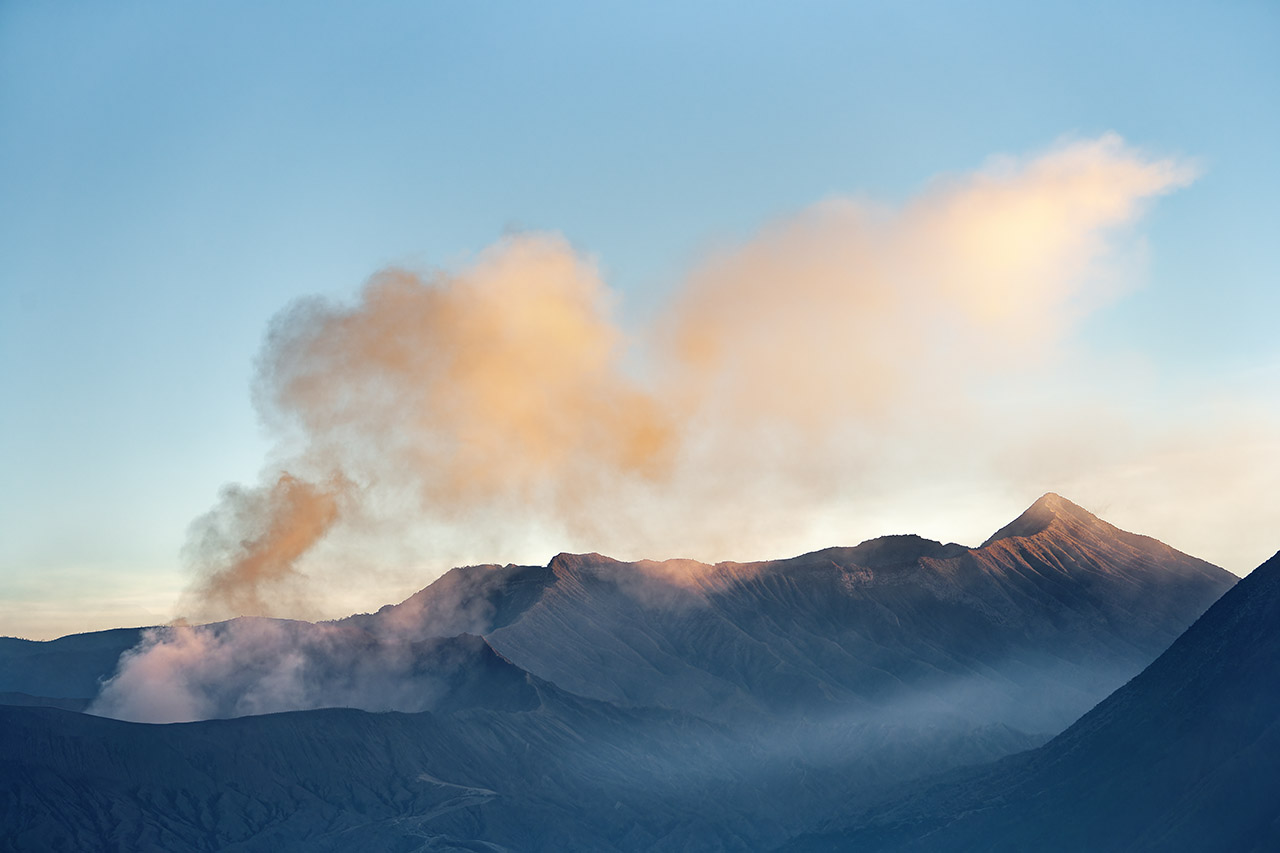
(261,666)
(247,548)
(839,351)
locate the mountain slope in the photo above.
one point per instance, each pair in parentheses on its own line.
(564,774)
(1183,757)
(829,678)
(71,667)
(1029,630)
(1054,611)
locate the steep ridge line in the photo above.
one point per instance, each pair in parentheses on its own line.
(1038,626)
(1181,758)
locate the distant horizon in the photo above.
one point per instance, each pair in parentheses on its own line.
(659,560)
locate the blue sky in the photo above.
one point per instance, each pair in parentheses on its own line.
(172,176)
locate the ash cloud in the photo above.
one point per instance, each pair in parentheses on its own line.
(249,666)
(247,548)
(840,351)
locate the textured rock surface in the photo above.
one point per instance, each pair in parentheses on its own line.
(1185,757)
(1029,630)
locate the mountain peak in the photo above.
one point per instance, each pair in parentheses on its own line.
(1049,508)
(566,562)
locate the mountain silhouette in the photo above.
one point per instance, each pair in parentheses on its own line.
(592,704)
(1031,630)
(1182,758)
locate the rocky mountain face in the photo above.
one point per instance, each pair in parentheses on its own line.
(598,705)
(1030,630)
(1183,757)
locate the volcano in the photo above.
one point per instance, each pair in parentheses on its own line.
(1055,611)
(593,704)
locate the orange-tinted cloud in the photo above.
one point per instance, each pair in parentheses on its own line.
(247,548)
(848,310)
(834,354)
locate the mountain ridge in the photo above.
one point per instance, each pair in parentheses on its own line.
(1179,758)
(866,617)
(843,627)
(593,704)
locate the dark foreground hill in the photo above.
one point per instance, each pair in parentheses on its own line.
(71,667)
(564,774)
(1185,757)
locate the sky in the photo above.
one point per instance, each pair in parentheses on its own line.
(829,271)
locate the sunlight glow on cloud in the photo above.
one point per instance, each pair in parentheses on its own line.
(839,351)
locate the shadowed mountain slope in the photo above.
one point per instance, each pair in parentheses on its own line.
(71,667)
(1184,757)
(564,774)
(1030,630)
